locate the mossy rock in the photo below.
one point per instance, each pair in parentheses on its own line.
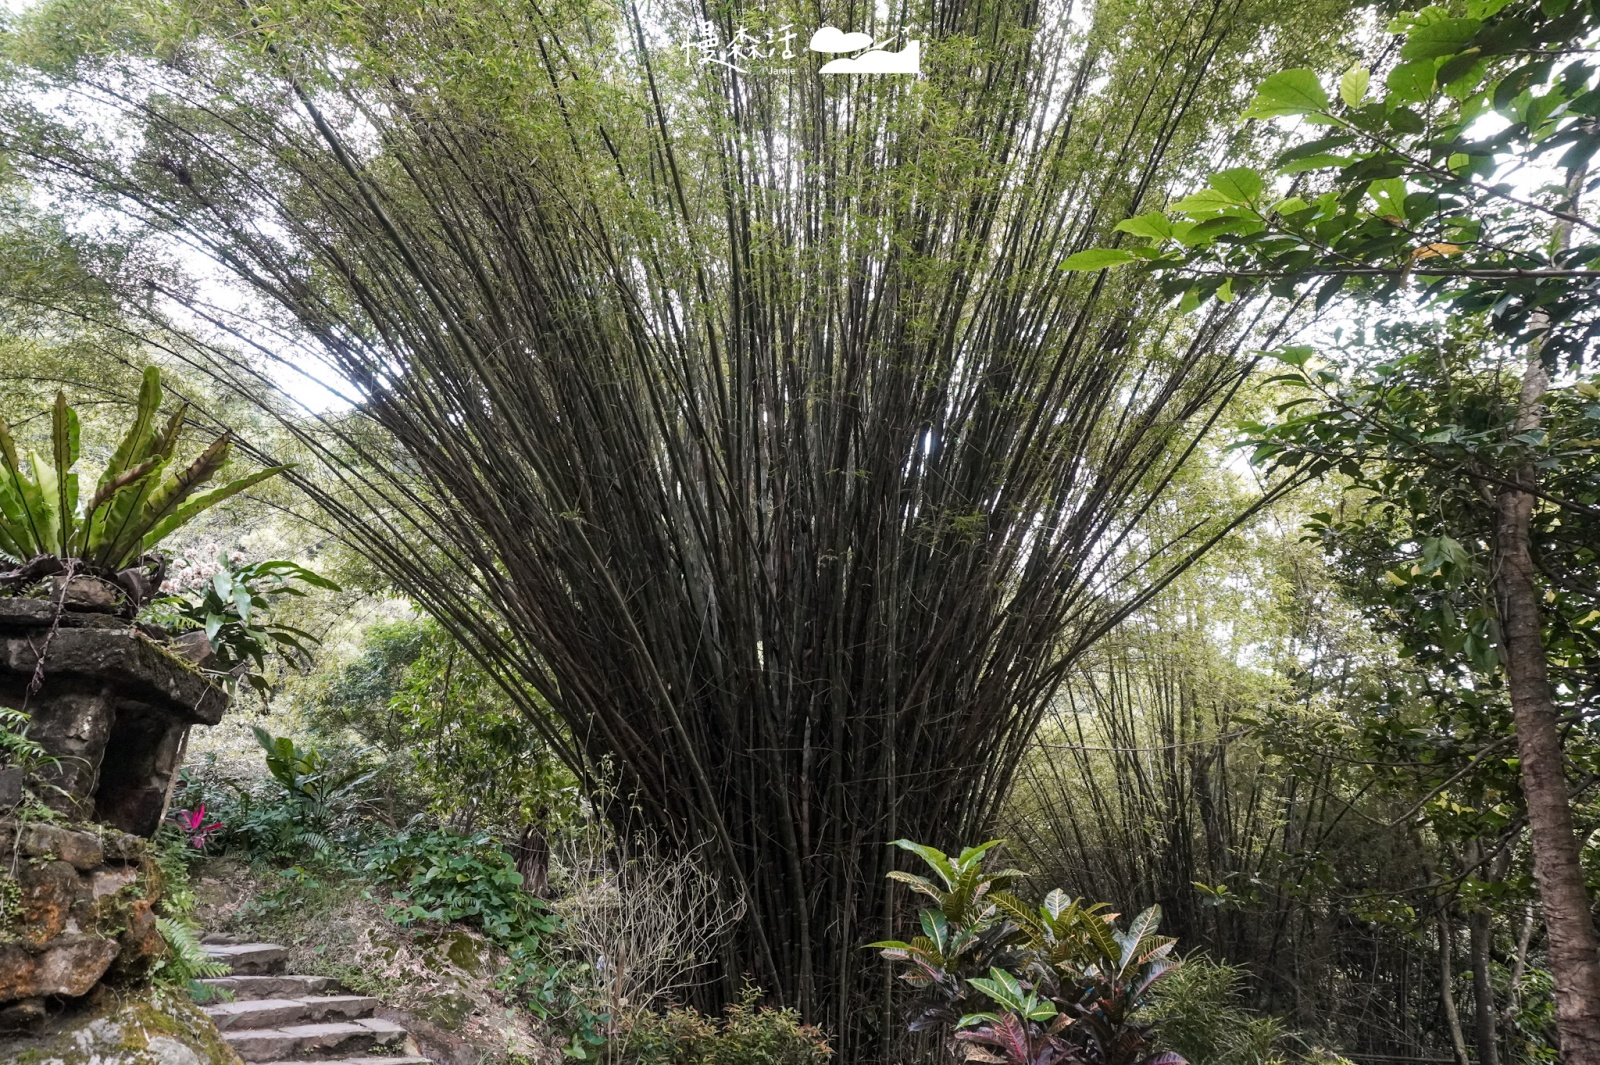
(448,1009)
(146,1027)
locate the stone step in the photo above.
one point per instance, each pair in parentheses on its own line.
(252,987)
(248,959)
(341,1039)
(283,1012)
(408,1060)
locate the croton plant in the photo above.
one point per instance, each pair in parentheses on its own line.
(1056,983)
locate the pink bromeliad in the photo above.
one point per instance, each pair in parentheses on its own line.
(193,823)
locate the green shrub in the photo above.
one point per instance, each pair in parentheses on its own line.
(457,747)
(1198,1012)
(231,608)
(263,820)
(747,1035)
(440,876)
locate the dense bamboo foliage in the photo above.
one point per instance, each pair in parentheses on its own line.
(746,421)
(1251,756)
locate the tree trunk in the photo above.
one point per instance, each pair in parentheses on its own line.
(532,856)
(1574,964)
(1572,951)
(1447,980)
(1482,991)
(1519,967)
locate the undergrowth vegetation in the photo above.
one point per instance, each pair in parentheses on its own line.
(315,833)
(746,1034)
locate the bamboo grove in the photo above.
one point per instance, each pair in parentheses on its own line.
(745,422)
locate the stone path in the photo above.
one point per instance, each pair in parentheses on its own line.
(284,1020)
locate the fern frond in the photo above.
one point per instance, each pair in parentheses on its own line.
(189,960)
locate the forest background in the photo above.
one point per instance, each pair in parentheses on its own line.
(1198,687)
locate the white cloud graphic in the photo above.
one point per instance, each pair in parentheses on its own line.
(906,61)
(833,39)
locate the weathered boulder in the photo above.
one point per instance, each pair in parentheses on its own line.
(148,1027)
(104,685)
(89,593)
(77,901)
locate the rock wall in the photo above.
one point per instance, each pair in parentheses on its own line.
(76,908)
(111,703)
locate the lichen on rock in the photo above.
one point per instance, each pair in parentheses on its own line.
(147,1026)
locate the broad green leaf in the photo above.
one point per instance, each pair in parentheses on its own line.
(120,523)
(1203,203)
(1153,224)
(1240,185)
(135,446)
(1462,76)
(1390,197)
(969,855)
(167,496)
(1353,85)
(1320,161)
(1441,38)
(20,500)
(1288,92)
(917,883)
(1097,259)
(1240,223)
(1410,83)
(1056,902)
(243,602)
(936,858)
(41,497)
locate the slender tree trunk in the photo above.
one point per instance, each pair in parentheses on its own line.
(1447,982)
(1482,992)
(1574,962)
(1572,951)
(1519,967)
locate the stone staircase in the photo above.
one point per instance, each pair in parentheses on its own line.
(285,1020)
